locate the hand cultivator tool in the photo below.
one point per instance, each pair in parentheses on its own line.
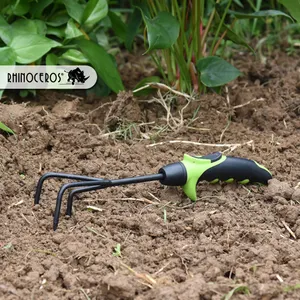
(187,173)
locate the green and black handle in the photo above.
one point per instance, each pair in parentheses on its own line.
(212,168)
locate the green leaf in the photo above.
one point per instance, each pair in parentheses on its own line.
(239,3)
(23,93)
(291,288)
(117,251)
(215,71)
(101,38)
(259,14)
(230,34)
(118,26)
(41,27)
(72,31)
(6,129)
(7,56)
(4,3)
(37,9)
(75,55)
(1,94)
(102,63)
(163,30)
(58,19)
(56,31)
(51,59)
(24,26)
(144,82)
(20,7)
(133,28)
(241,288)
(143,7)
(95,11)
(5,32)
(74,9)
(29,48)
(293,6)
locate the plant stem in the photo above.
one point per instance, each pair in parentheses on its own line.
(185,79)
(257,8)
(220,25)
(152,7)
(159,66)
(211,17)
(167,56)
(181,18)
(222,37)
(201,8)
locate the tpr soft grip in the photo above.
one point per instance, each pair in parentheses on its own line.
(217,167)
(239,169)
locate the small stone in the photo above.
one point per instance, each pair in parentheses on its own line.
(240,274)
(69,281)
(278,188)
(52,274)
(200,221)
(37,267)
(297,232)
(280,200)
(58,238)
(65,108)
(32,277)
(117,287)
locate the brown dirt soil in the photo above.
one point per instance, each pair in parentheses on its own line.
(170,249)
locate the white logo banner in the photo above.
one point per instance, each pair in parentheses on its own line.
(47,77)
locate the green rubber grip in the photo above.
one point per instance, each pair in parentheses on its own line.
(217,167)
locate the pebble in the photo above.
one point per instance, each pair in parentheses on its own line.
(278,188)
(58,238)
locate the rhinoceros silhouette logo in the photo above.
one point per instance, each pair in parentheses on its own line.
(76,75)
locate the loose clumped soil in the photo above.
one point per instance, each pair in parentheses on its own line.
(170,249)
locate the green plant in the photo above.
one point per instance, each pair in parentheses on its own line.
(117,251)
(60,32)
(3,127)
(238,289)
(291,288)
(183,39)
(293,6)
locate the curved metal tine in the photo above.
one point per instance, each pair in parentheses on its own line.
(104,183)
(77,191)
(48,175)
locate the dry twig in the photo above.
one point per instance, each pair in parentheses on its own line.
(149,281)
(289,229)
(162,86)
(230,147)
(248,102)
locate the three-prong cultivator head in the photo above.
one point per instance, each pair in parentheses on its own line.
(187,173)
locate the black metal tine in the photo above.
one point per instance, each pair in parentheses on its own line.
(77,191)
(103,182)
(114,182)
(48,175)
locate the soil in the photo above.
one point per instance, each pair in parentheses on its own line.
(234,237)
